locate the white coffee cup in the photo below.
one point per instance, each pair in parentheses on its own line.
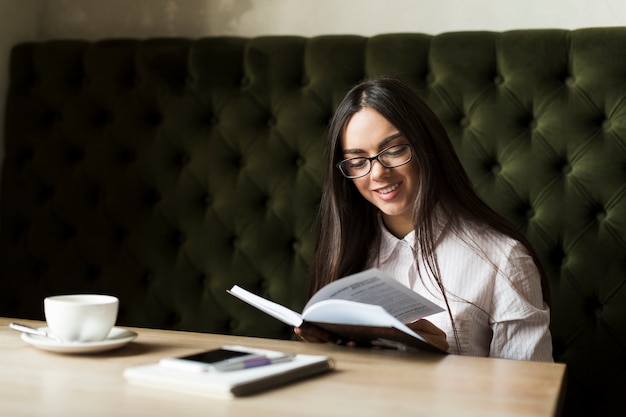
(81,317)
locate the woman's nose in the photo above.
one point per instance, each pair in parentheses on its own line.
(378,170)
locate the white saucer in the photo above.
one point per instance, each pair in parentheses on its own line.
(117,337)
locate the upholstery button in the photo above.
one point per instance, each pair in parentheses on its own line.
(119,235)
(300,162)
(45,193)
(173,318)
(532,124)
(74,155)
(606,124)
(245,81)
(77,82)
(102,118)
(271,122)
(17,228)
(26,155)
(148,277)
(153,118)
(177,239)
(305,81)
(151,197)
(128,80)
(498,80)
(94,195)
(496,169)
(69,231)
(51,117)
(530,213)
(33,84)
(464,122)
(570,81)
(566,169)
(181,159)
(598,310)
(39,267)
(593,306)
(127,156)
(558,257)
(430,78)
(206,200)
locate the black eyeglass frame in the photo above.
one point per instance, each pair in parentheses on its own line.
(376,157)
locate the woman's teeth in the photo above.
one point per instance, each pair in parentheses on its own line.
(388,189)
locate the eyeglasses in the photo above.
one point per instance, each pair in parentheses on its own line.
(391,157)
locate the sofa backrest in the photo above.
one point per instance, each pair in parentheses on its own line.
(166,170)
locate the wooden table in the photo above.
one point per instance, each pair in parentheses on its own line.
(366,382)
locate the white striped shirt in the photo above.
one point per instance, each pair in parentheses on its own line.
(505,316)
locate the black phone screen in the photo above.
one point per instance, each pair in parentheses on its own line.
(213,356)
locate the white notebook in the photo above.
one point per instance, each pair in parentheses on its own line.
(233,383)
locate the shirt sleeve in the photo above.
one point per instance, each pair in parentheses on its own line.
(520,317)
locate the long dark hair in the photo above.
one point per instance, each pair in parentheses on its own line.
(348,227)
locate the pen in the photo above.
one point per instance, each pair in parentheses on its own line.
(251,363)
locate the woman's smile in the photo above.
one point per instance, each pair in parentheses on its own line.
(385,192)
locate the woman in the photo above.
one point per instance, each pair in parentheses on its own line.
(396,197)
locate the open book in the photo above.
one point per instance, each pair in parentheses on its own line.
(368,307)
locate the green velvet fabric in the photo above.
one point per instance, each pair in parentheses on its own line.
(166,170)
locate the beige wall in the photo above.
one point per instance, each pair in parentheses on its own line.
(23,20)
(142,18)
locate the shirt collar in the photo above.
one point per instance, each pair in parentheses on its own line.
(388,242)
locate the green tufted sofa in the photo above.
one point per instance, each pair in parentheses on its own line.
(166,170)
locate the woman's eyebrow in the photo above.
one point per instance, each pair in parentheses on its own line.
(381,145)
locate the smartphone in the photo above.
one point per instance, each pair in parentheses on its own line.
(226,358)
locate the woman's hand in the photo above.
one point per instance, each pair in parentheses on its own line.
(433,334)
(313,334)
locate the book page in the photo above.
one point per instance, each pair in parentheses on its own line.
(375,287)
(365,323)
(350,312)
(275,310)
